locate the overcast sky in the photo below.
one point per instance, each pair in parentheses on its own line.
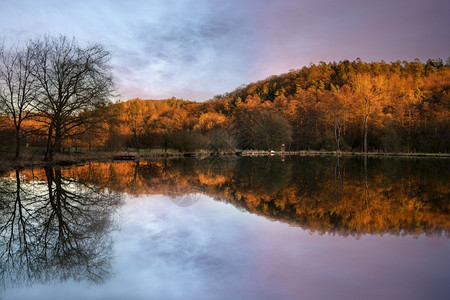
(195,49)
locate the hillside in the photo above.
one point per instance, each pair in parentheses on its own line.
(345,106)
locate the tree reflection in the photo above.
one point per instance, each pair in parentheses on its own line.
(335,195)
(54,228)
(338,195)
(267,174)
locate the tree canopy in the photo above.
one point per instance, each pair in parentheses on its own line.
(56,80)
(345,106)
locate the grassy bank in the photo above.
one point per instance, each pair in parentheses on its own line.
(34,158)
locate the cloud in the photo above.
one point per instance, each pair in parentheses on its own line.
(313,31)
(191,55)
(198,48)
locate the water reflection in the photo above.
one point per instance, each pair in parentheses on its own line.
(346,196)
(54,227)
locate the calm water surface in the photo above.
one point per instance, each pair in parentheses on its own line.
(247,228)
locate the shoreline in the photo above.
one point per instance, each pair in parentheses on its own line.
(76,158)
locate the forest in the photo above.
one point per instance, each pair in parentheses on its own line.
(55,95)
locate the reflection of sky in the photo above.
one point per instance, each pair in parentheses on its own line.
(211,250)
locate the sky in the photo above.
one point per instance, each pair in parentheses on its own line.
(196,49)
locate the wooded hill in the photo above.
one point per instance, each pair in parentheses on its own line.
(344,106)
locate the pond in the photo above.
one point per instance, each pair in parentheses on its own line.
(235,228)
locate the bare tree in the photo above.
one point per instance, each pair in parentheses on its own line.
(72,79)
(18,88)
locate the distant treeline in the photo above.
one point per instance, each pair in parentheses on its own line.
(344,106)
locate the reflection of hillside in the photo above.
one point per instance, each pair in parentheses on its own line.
(320,194)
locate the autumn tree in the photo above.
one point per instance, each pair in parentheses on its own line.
(185,141)
(369,91)
(244,124)
(327,106)
(271,132)
(18,89)
(310,120)
(135,120)
(209,121)
(169,122)
(72,79)
(335,103)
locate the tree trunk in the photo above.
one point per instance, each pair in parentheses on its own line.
(136,143)
(165,142)
(58,140)
(49,150)
(337,134)
(17,143)
(366,128)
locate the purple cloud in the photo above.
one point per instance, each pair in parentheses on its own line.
(196,49)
